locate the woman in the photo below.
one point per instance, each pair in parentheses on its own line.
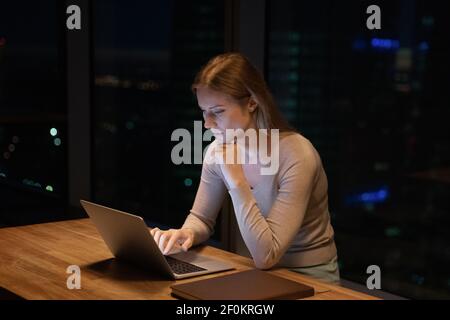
(283,217)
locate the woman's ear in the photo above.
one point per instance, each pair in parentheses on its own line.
(252,105)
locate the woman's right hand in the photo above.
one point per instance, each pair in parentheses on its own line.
(172,240)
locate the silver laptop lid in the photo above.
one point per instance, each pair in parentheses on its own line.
(127,237)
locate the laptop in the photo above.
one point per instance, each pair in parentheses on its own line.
(128,238)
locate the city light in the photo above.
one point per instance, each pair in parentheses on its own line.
(376,43)
(392,232)
(385,44)
(113,81)
(424,46)
(49,188)
(57,142)
(188,182)
(418,279)
(369,197)
(109,127)
(31,183)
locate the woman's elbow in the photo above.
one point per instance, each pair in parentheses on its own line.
(264,264)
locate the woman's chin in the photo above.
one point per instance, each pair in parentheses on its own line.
(219,138)
(218,134)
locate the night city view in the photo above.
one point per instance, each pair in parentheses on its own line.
(375,104)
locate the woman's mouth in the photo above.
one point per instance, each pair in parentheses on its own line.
(223,137)
(217,133)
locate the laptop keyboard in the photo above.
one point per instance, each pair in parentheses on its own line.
(181,267)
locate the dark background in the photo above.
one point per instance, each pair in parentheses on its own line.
(374,103)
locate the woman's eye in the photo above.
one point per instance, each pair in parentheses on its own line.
(214,113)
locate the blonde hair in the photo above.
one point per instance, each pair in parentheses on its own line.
(234,75)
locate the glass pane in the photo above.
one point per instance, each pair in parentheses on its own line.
(32,113)
(376,106)
(146,57)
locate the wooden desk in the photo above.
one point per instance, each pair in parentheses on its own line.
(34,260)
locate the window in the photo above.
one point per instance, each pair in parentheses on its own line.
(146,57)
(32,113)
(375,105)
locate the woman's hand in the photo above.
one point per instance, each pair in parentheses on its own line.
(173,240)
(233,172)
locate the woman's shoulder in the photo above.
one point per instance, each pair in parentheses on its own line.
(294,141)
(296,147)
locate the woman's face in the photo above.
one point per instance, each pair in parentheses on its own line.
(221,112)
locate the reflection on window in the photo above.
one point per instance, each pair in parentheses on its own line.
(146,57)
(375,104)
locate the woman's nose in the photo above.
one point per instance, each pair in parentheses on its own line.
(209,123)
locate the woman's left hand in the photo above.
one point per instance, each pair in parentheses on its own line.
(232,171)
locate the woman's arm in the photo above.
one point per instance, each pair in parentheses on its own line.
(208,201)
(268,238)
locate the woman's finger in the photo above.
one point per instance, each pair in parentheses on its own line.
(153,231)
(175,237)
(158,235)
(162,241)
(187,244)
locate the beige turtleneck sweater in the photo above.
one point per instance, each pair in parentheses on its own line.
(283,218)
